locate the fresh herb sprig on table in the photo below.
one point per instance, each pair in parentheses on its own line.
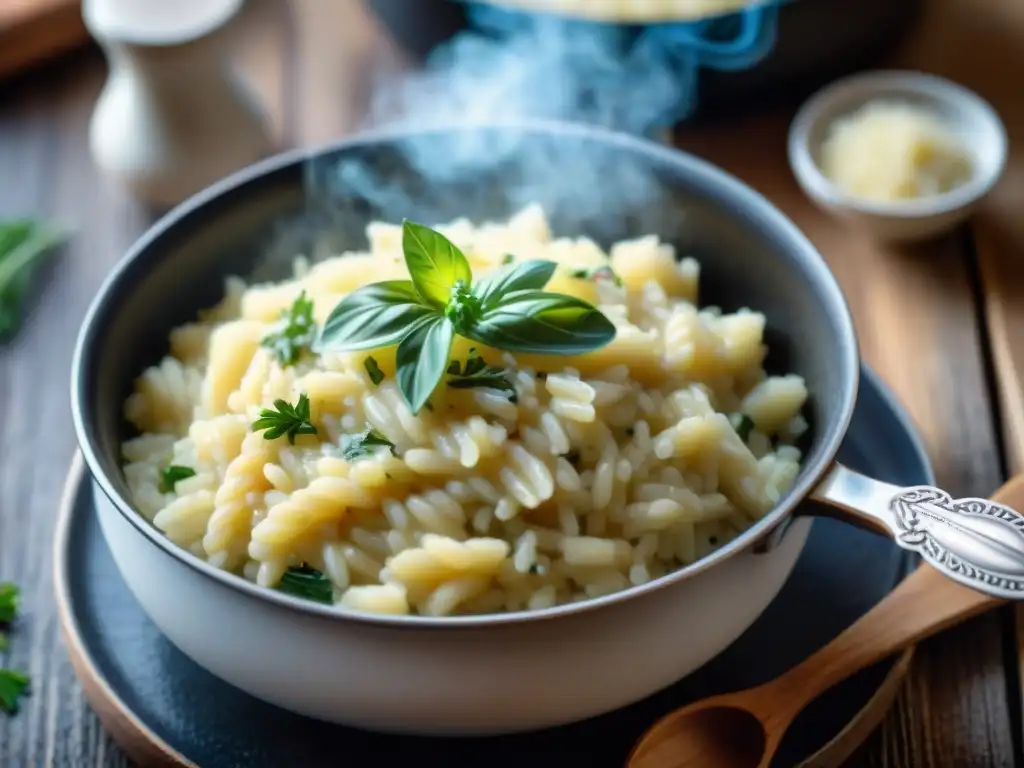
(13,684)
(506,310)
(286,419)
(294,333)
(23,245)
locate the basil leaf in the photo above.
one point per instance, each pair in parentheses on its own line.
(421,360)
(525,276)
(543,323)
(434,263)
(377,315)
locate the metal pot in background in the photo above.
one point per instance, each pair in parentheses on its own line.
(770,53)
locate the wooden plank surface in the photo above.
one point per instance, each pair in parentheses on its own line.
(916,312)
(32,31)
(986,49)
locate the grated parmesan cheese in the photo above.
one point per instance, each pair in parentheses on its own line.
(888,151)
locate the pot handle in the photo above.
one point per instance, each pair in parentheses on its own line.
(976,542)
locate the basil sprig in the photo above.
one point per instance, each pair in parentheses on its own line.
(507,310)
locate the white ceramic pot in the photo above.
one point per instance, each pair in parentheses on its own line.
(504,672)
(456,681)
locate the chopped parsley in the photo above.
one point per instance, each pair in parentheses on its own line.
(307,582)
(743,425)
(507,259)
(294,333)
(373,371)
(475,372)
(364,445)
(169,477)
(597,273)
(13,684)
(286,419)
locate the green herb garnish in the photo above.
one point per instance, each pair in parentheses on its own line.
(287,419)
(8,610)
(373,371)
(23,244)
(743,425)
(507,259)
(506,310)
(477,373)
(13,685)
(307,582)
(8,602)
(597,273)
(363,445)
(169,477)
(294,333)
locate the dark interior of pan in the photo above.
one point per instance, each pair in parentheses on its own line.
(764,54)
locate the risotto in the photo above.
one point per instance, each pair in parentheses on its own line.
(526,480)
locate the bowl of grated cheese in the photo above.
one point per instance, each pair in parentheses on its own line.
(902,155)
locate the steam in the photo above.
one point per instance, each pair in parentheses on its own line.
(514,66)
(510,67)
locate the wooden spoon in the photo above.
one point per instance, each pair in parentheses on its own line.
(744,729)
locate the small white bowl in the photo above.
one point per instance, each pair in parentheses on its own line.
(969,117)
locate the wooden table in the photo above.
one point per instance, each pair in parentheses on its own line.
(937,322)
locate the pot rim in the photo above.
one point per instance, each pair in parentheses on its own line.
(102,309)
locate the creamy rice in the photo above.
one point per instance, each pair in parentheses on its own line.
(606,470)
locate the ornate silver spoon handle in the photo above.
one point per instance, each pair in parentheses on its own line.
(976,542)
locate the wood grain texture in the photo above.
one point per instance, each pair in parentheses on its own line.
(917,318)
(986,48)
(314,64)
(925,603)
(915,313)
(32,31)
